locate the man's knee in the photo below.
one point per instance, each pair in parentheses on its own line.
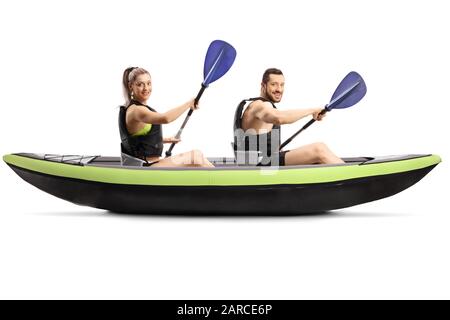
(320,150)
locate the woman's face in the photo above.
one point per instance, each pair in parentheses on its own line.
(142,87)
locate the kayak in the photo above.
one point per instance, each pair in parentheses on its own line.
(227,189)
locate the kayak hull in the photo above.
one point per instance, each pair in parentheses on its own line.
(262,200)
(211,199)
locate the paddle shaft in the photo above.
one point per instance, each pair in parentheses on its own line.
(197,99)
(306,126)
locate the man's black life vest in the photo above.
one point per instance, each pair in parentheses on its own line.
(148,145)
(246,142)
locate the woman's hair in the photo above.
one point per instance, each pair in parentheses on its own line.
(129,76)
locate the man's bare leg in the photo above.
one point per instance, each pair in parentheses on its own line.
(315,153)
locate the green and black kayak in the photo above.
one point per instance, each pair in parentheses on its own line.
(102,182)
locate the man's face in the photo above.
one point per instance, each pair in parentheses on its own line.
(274,88)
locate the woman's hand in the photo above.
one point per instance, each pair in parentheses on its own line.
(171,140)
(192,105)
(316,114)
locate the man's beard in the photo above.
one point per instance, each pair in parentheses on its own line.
(272,97)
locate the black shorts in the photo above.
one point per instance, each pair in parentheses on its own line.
(148,164)
(281,160)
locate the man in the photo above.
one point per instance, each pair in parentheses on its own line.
(257,128)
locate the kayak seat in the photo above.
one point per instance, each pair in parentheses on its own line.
(127,160)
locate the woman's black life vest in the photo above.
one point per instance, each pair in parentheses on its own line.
(266,143)
(148,145)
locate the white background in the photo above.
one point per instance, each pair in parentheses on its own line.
(61,66)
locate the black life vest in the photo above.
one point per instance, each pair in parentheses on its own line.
(243,141)
(148,145)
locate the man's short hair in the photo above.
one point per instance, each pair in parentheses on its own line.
(268,72)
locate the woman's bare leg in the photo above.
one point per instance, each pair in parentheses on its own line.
(311,154)
(192,158)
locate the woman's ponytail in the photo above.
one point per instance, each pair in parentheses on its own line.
(126,84)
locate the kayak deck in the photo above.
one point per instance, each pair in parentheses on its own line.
(218,162)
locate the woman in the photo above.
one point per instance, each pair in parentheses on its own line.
(140,125)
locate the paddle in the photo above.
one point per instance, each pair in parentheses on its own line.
(218,61)
(349,92)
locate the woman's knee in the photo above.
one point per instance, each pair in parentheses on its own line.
(197,153)
(197,157)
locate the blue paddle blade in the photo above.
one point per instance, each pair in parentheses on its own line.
(349,92)
(219,59)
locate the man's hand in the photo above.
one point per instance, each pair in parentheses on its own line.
(316,114)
